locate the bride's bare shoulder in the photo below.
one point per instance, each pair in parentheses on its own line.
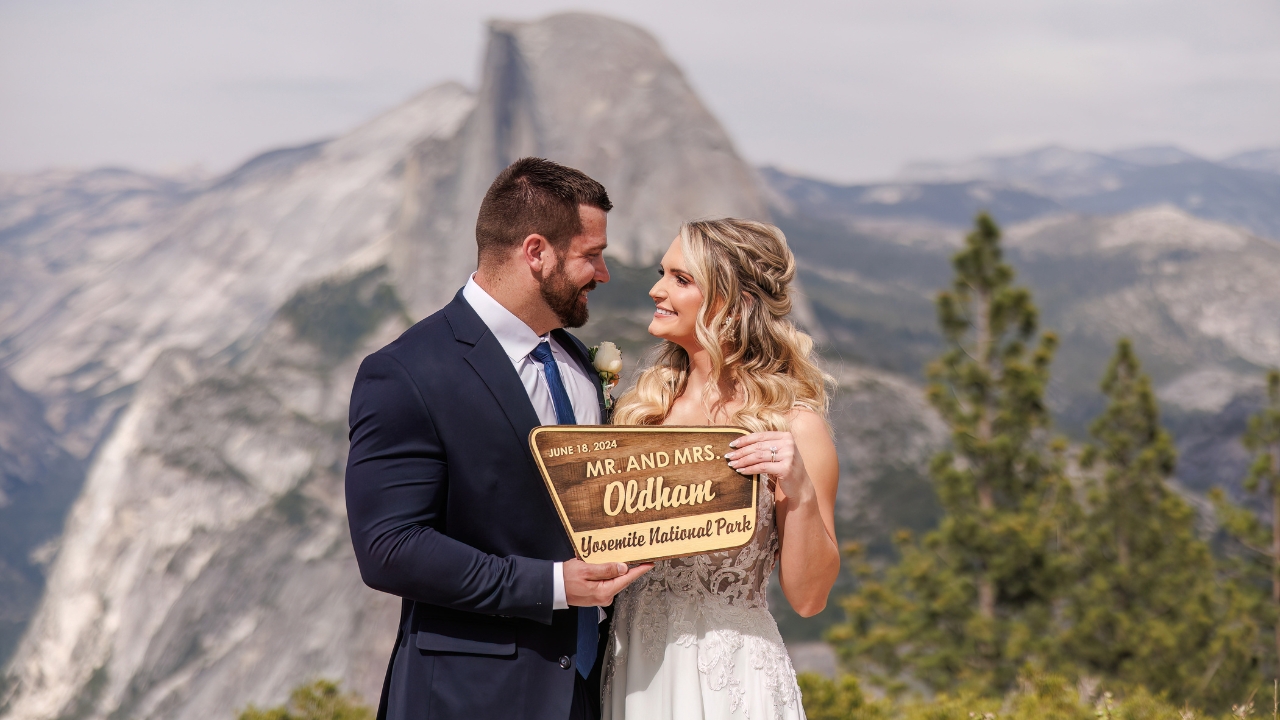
(806,422)
(816,445)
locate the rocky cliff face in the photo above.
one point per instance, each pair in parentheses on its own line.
(225,461)
(1194,291)
(62,233)
(206,562)
(38,482)
(107,271)
(106,289)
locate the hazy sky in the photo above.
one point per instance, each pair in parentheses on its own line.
(842,89)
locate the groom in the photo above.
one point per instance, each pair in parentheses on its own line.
(446,507)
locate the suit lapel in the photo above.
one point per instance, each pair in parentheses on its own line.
(494,367)
(491,363)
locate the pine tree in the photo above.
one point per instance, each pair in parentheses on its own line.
(1146,608)
(1257,532)
(971,603)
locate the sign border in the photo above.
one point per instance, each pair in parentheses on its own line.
(564,517)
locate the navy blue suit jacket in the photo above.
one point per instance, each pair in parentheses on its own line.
(447,510)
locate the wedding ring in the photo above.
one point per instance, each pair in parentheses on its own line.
(773,451)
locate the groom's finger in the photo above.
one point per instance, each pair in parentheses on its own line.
(616,585)
(630,577)
(603,571)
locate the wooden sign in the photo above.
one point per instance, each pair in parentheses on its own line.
(639,493)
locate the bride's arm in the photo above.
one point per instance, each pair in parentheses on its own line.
(805,474)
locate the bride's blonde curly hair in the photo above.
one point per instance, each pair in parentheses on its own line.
(744,270)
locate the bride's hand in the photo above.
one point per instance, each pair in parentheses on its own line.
(773,453)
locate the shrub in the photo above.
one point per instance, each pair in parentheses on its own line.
(1037,696)
(319,700)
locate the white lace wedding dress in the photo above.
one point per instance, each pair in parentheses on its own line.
(693,639)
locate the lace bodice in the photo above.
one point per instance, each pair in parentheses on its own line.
(714,606)
(737,577)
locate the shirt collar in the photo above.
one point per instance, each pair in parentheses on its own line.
(516,338)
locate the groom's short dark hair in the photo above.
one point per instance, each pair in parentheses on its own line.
(535,196)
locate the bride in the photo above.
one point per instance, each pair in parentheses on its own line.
(694,638)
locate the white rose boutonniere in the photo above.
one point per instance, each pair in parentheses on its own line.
(607,359)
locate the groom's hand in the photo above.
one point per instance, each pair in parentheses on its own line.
(588,584)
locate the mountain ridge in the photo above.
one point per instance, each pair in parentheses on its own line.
(1243,189)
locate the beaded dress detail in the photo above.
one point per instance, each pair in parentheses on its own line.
(693,638)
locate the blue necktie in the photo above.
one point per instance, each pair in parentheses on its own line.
(588,617)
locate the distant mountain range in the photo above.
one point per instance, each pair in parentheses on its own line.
(176,356)
(1111,245)
(1242,190)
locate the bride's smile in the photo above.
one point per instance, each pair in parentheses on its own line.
(678,300)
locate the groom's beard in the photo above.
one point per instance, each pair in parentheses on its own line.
(565,299)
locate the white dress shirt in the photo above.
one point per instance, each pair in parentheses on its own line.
(517,341)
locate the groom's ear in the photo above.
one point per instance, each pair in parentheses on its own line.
(536,252)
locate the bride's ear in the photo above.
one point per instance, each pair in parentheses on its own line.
(747,301)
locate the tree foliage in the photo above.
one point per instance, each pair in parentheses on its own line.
(971,602)
(1255,530)
(1097,576)
(1146,608)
